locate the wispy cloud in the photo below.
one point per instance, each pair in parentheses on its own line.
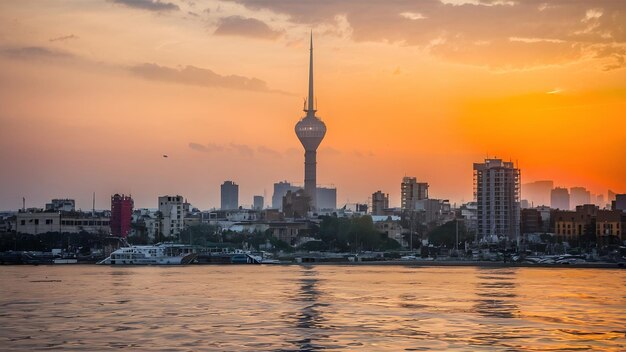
(34,52)
(268,151)
(245,27)
(63,38)
(242,149)
(192,75)
(149,5)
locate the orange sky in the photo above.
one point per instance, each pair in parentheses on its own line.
(92,93)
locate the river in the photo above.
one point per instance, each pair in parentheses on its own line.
(311,308)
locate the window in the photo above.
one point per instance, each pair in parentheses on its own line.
(48,221)
(22,222)
(36,221)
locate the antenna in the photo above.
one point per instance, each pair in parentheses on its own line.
(93,209)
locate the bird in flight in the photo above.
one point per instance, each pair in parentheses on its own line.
(165,155)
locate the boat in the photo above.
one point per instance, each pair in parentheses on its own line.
(158,254)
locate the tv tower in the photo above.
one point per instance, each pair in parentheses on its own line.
(310,131)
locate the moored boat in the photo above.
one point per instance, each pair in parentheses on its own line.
(158,254)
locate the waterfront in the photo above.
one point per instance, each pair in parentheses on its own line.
(307,308)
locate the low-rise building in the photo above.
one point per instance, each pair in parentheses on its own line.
(38,222)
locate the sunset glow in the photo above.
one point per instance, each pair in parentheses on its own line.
(94,93)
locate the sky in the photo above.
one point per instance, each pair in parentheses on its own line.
(94,93)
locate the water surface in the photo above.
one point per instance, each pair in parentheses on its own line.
(311,308)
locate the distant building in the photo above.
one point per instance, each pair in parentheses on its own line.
(538,192)
(497,195)
(296,204)
(380,202)
(619,203)
(121,215)
(559,199)
(326,198)
(280,189)
(229,195)
(172,209)
(257,202)
(61,205)
(411,191)
(579,196)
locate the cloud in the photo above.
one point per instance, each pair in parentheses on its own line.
(245,27)
(63,38)
(196,76)
(34,52)
(271,152)
(473,32)
(189,75)
(330,151)
(206,148)
(150,5)
(242,149)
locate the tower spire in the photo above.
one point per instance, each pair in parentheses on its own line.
(311,102)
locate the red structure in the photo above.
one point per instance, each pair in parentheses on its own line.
(121,215)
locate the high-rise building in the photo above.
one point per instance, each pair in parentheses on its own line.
(172,215)
(257,202)
(310,131)
(579,196)
(559,199)
(121,215)
(280,189)
(380,202)
(229,195)
(411,191)
(326,198)
(497,196)
(538,192)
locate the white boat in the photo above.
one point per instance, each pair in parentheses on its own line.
(158,254)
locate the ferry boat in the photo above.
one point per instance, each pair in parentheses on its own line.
(158,254)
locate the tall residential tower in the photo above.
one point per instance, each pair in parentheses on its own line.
(497,195)
(310,131)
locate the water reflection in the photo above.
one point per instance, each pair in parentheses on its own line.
(309,318)
(495,289)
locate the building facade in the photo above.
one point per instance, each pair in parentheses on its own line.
(229,195)
(412,191)
(579,196)
(257,202)
(121,215)
(296,204)
(61,205)
(497,196)
(559,199)
(38,222)
(380,202)
(326,198)
(280,189)
(172,215)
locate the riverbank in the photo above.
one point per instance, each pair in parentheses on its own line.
(596,265)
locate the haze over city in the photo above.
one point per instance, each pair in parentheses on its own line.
(94,94)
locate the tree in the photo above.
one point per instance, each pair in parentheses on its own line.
(445,235)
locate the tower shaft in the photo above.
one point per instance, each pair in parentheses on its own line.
(310,176)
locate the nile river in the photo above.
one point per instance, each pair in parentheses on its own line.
(311,308)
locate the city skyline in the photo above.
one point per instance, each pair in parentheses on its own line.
(84,113)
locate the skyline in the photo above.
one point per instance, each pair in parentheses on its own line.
(89,105)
